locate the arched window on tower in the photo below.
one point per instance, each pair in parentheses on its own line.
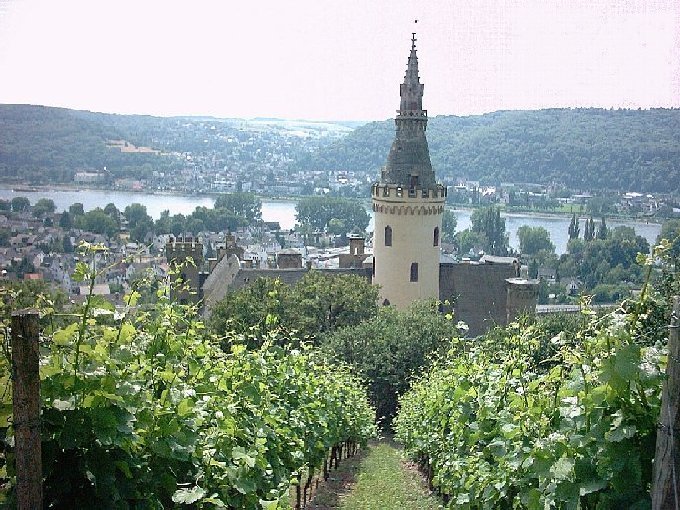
(388,236)
(436,237)
(414,272)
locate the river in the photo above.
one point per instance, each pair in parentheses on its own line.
(283,211)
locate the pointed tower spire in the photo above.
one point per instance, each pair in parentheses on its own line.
(411,90)
(408,163)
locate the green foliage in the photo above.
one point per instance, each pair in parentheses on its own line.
(470,242)
(612,260)
(230,212)
(584,148)
(139,222)
(255,311)
(43,206)
(317,213)
(391,348)
(449,223)
(98,222)
(505,423)
(670,230)
(245,205)
(602,230)
(43,145)
(574,228)
(20,204)
(65,221)
(147,411)
(318,303)
(534,239)
(488,222)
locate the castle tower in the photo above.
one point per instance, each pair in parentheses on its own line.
(408,205)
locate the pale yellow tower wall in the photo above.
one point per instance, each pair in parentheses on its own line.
(413,220)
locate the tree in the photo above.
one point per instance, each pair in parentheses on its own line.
(534,239)
(533,268)
(449,223)
(5,234)
(43,206)
(139,222)
(113,211)
(318,303)
(589,232)
(245,205)
(389,348)
(65,221)
(602,230)
(574,227)
(20,204)
(98,222)
(254,311)
(488,221)
(670,230)
(469,242)
(317,212)
(323,302)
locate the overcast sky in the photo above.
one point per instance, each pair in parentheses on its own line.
(343,59)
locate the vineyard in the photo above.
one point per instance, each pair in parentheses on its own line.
(544,416)
(145,408)
(149,412)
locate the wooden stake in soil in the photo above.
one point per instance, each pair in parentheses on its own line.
(26,408)
(666,482)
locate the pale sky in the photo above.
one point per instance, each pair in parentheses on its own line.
(337,60)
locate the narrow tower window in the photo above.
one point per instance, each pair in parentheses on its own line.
(388,236)
(436,237)
(414,272)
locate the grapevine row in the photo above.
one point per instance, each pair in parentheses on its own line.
(498,424)
(152,413)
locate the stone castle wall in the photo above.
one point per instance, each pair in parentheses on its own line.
(478,293)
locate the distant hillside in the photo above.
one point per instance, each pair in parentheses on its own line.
(41,144)
(586,149)
(582,148)
(47,145)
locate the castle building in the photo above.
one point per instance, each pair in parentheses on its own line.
(408,205)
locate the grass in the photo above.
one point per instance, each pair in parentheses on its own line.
(377,479)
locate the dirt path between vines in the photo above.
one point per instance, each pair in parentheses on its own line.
(377,478)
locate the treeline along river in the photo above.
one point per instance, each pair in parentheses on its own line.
(283,211)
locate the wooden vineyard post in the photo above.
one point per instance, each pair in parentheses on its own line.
(26,408)
(666,481)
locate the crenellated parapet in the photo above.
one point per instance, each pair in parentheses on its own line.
(396,193)
(180,249)
(411,210)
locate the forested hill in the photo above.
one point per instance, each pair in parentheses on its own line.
(586,149)
(581,148)
(41,144)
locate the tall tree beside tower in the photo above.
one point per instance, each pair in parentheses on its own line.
(574,229)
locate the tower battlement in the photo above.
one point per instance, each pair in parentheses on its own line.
(396,193)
